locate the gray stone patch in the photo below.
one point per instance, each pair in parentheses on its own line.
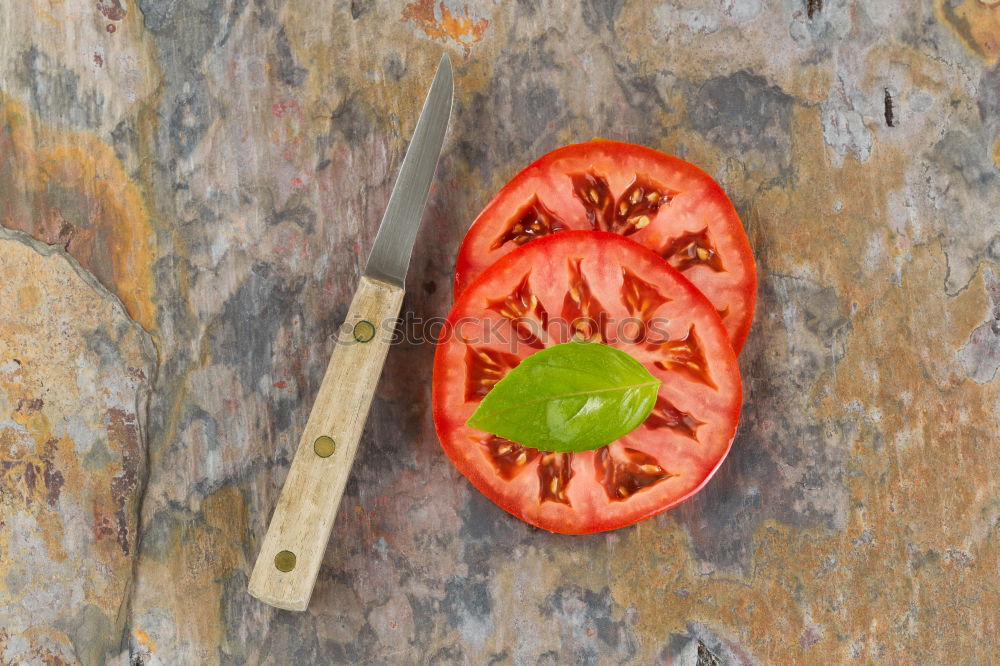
(386,447)
(686,24)
(961,152)
(291,638)
(742,112)
(588,628)
(394,66)
(189,119)
(786,463)
(302,215)
(844,127)
(961,184)
(235,11)
(484,522)
(468,604)
(741,11)
(100,344)
(980,356)
(81,628)
(536,105)
(525,108)
(56,92)
(645,95)
(360,7)
(97,457)
(244,333)
(186,31)
(349,122)
(988,97)
(601,14)
(188,28)
(823,20)
(285,67)
(236,609)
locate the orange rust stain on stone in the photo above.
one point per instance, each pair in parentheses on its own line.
(226,511)
(145,640)
(439,23)
(201,552)
(29,456)
(69,188)
(918,523)
(28,296)
(976,23)
(996,152)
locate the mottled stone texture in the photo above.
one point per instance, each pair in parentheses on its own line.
(221,168)
(75,378)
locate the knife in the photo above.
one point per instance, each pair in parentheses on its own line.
(290,556)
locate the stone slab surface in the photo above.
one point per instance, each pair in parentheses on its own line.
(75,379)
(220,167)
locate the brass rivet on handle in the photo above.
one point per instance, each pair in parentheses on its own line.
(284,561)
(364,331)
(324,446)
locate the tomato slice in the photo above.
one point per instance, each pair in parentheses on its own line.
(657,200)
(601,287)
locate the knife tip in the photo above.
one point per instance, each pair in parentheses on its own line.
(445,62)
(444,70)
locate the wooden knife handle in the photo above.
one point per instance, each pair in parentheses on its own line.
(297,537)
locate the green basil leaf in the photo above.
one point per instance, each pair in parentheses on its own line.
(572,397)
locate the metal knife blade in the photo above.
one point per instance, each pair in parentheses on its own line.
(390,255)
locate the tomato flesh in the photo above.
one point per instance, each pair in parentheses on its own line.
(601,287)
(660,201)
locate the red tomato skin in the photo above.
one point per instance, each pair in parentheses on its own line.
(469,265)
(478,475)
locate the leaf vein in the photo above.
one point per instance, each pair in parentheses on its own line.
(562,396)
